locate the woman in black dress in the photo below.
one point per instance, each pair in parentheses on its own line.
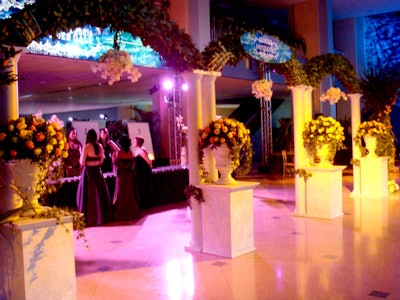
(109,148)
(142,174)
(92,198)
(125,204)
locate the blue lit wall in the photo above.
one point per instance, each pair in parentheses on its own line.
(382,40)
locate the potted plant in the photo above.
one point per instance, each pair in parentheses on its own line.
(323,134)
(32,150)
(233,137)
(373,138)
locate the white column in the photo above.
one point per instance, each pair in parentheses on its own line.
(209,109)
(299,151)
(9,93)
(355,123)
(308,116)
(308,103)
(194,117)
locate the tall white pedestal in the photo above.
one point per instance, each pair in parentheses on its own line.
(228,219)
(374,177)
(324,192)
(37,260)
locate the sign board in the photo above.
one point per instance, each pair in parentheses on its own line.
(82,128)
(142,130)
(265,48)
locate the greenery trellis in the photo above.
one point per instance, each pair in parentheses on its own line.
(157,30)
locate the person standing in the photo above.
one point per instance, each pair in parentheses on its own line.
(125,203)
(71,163)
(93,199)
(109,148)
(142,174)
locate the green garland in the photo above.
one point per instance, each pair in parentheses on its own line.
(157,30)
(48,18)
(318,67)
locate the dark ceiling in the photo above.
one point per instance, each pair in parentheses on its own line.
(54,84)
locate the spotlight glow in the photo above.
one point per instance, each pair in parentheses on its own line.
(168,85)
(185,87)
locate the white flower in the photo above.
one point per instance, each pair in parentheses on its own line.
(113,64)
(262,89)
(55,119)
(333,94)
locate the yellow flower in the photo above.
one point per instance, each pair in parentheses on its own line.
(37,151)
(49,148)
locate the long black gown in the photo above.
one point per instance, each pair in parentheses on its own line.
(93,198)
(126,206)
(143,182)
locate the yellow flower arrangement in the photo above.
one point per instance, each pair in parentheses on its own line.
(33,138)
(381,131)
(262,89)
(333,94)
(235,135)
(322,131)
(37,140)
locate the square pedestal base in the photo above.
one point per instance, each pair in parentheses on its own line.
(37,260)
(374,177)
(228,219)
(324,192)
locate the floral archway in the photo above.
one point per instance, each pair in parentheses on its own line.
(155,28)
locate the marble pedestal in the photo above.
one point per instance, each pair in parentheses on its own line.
(37,260)
(374,177)
(324,192)
(228,219)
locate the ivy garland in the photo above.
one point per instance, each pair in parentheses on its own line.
(48,18)
(321,66)
(157,30)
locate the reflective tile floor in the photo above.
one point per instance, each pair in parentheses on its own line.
(354,256)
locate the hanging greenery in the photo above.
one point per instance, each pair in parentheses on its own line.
(156,29)
(318,67)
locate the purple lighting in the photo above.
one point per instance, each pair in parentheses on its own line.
(168,85)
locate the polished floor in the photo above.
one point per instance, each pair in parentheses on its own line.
(354,256)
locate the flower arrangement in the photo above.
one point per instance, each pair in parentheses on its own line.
(333,94)
(35,139)
(113,64)
(182,129)
(377,129)
(392,186)
(321,131)
(262,89)
(235,135)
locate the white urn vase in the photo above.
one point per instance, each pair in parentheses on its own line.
(323,154)
(370,144)
(223,164)
(25,177)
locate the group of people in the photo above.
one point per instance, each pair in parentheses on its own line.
(133,177)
